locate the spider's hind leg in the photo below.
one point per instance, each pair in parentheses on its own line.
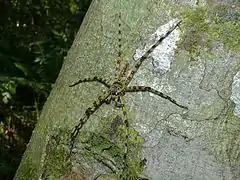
(151,90)
(89,111)
(121,100)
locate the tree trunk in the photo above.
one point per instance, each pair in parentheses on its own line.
(197,65)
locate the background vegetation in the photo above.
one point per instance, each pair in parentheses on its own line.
(34,38)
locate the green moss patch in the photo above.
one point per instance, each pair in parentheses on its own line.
(56,156)
(205,27)
(107,146)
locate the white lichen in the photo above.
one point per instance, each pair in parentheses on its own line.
(162,55)
(235,97)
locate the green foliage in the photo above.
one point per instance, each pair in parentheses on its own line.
(34,38)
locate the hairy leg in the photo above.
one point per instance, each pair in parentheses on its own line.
(93,79)
(146,54)
(151,90)
(121,99)
(118,66)
(90,111)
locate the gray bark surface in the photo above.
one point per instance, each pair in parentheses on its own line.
(200,143)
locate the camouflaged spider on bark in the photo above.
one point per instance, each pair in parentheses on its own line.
(119,86)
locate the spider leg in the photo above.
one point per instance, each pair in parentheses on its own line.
(118,67)
(126,124)
(90,111)
(95,78)
(146,54)
(124,70)
(151,90)
(120,71)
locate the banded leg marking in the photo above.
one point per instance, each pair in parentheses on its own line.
(151,90)
(91,110)
(126,123)
(118,66)
(95,78)
(149,51)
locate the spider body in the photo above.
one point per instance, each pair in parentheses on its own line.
(119,87)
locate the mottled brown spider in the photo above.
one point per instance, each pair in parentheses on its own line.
(119,86)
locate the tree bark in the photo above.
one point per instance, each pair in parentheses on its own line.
(197,65)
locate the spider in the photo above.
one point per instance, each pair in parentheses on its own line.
(120,86)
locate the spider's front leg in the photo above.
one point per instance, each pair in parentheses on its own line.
(93,79)
(90,111)
(151,90)
(150,50)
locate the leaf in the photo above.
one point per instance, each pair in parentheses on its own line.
(21,68)
(6,97)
